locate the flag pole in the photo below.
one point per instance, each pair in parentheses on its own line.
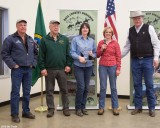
(42,108)
(109,18)
(41,90)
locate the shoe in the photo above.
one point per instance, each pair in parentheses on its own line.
(50,113)
(136,111)
(115,112)
(84,111)
(152,113)
(15,118)
(66,112)
(79,113)
(28,115)
(100,111)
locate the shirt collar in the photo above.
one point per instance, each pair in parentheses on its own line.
(138,29)
(82,37)
(51,35)
(17,35)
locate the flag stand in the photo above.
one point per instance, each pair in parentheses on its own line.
(41,108)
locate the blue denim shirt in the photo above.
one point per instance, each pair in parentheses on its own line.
(79,47)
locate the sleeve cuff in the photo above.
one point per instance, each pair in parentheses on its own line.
(156,57)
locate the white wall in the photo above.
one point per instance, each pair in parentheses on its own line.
(27,9)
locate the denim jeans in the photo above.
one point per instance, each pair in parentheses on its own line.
(60,76)
(143,68)
(104,73)
(20,75)
(83,76)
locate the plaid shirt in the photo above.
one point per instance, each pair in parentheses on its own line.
(111,56)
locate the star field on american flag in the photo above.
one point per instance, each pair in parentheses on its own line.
(110,7)
(110,18)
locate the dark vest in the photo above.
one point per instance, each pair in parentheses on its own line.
(141,45)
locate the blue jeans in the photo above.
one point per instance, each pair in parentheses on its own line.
(83,76)
(143,68)
(20,75)
(104,73)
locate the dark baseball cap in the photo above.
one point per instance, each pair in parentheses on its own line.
(54,21)
(21,20)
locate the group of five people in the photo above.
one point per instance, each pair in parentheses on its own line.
(56,57)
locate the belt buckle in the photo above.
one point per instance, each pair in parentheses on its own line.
(140,57)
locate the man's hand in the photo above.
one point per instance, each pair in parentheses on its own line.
(67,69)
(16,66)
(155,63)
(44,72)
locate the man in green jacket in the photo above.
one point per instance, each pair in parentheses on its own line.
(55,61)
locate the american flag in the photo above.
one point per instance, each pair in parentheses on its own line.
(110,17)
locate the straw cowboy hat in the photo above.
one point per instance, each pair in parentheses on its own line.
(136,14)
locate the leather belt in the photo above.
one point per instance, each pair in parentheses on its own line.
(141,57)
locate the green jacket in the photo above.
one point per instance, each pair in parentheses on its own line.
(54,54)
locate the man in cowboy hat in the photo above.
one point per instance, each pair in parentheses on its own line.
(144,45)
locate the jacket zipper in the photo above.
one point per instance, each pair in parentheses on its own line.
(25,49)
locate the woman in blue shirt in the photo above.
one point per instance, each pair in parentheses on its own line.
(83,50)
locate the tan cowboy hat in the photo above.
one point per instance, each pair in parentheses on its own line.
(136,14)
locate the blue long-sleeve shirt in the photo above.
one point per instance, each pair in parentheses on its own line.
(81,47)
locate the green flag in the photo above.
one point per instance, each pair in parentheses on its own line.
(40,31)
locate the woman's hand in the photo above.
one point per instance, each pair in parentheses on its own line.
(117,72)
(103,47)
(82,59)
(90,53)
